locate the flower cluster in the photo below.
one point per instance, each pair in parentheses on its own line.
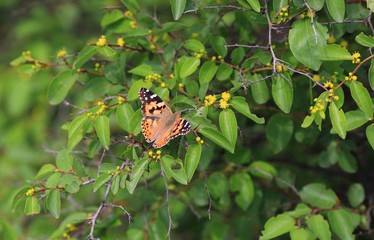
(120,100)
(283,15)
(156,156)
(99,112)
(101,42)
(219,57)
(30,192)
(200,54)
(153,77)
(356,57)
(61,53)
(199,140)
(350,77)
(113,173)
(120,42)
(209,100)
(320,103)
(223,102)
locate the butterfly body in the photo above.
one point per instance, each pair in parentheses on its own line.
(159,123)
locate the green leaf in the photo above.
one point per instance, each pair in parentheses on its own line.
(111,17)
(347,162)
(168,163)
(259,90)
(319,226)
(229,126)
(318,195)
(64,160)
(207,72)
(240,104)
(107,51)
(61,85)
(134,89)
(308,120)
(142,70)
(237,55)
(255,5)
(78,167)
(362,97)
(282,91)
(218,185)
(356,194)
(336,8)
(277,226)
(316,4)
(53,203)
(224,72)
(135,126)
(72,187)
(77,129)
(263,170)
(194,45)
(302,233)
(279,131)
(115,184)
(137,172)
(370,135)
(217,138)
(45,170)
(335,52)
(32,206)
(219,45)
(192,159)
(343,223)
(124,113)
(189,66)
(103,130)
(101,179)
(301,210)
(371,74)
(19,198)
(338,120)
(355,119)
(242,183)
(365,40)
(84,55)
(177,8)
(53,180)
(95,88)
(305,45)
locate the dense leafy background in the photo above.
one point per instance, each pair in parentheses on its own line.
(290,155)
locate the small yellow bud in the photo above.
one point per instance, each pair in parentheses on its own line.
(198,139)
(120,42)
(158,152)
(180,85)
(163,85)
(102,41)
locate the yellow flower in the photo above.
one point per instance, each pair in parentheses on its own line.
(279,68)
(61,53)
(120,100)
(163,85)
(102,41)
(180,85)
(209,100)
(120,42)
(356,57)
(150,153)
(316,78)
(331,39)
(223,104)
(198,139)
(226,96)
(30,192)
(128,14)
(158,152)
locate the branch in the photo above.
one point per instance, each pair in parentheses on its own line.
(216,7)
(167,202)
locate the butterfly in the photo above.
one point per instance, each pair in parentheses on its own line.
(159,123)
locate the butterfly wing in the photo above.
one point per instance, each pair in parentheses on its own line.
(180,127)
(153,110)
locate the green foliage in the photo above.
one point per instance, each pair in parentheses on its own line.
(279,123)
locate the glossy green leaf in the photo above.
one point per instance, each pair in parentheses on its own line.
(78,167)
(142,70)
(279,131)
(136,174)
(362,97)
(53,203)
(20,198)
(243,184)
(96,88)
(101,180)
(335,52)
(77,129)
(255,5)
(370,135)
(217,138)
(229,126)
(194,45)
(355,119)
(263,170)
(279,4)
(301,210)
(336,8)
(106,51)
(356,194)
(317,195)
(282,91)
(237,55)
(219,45)
(343,223)
(179,174)
(371,74)
(189,66)
(45,170)
(316,4)
(177,8)
(277,226)
(240,104)
(260,91)
(218,185)
(111,17)
(72,187)
(135,123)
(32,206)
(305,45)
(134,89)
(192,159)
(365,40)
(338,120)
(64,160)
(115,184)
(103,130)
(124,113)
(107,167)
(60,86)
(53,180)
(302,233)
(224,72)
(308,120)
(319,226)
(207,72)
(84,55)
(347,162)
